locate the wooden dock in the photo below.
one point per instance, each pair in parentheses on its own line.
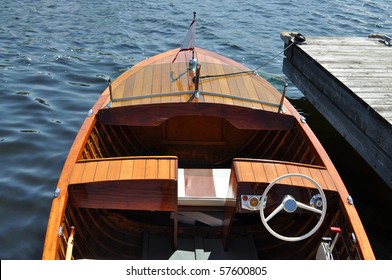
(349,81)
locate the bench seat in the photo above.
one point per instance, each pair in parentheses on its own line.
(128,183)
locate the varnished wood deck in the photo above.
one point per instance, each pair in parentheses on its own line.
(349,80)
(163,81)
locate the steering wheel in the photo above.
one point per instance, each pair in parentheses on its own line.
(289,204)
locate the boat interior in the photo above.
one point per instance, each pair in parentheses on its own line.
(184,181)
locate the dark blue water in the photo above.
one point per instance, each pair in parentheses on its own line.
(56,58)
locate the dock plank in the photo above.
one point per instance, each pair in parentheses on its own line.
(346,57)
(349,80)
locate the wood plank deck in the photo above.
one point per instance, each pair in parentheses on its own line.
(349,80)
(164,81)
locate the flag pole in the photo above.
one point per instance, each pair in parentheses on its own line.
(193,50)
(189,41)
(193,61)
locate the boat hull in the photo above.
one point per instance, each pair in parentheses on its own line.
(161,158)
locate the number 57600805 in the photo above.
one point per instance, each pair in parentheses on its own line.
(242,270)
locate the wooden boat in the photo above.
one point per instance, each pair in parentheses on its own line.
(190,155)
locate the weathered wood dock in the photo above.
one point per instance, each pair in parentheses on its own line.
(349,81)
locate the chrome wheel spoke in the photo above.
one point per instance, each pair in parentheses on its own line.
(276,211)
(309,208)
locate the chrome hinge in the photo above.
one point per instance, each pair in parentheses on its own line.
(60,232)
(56,193)
(353,238)
(350,200)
